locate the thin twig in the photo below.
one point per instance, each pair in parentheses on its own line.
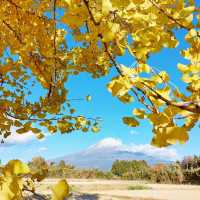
(181,105)
(36,195)
(49,119)
(27,11)
(86,2)
(116,65)
(17,35)
(54,40)
(171,17)
(195,109)
(53,76)
(30,119)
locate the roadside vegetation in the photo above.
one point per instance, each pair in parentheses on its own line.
(186,171)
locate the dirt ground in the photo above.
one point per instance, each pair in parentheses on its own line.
(122,190)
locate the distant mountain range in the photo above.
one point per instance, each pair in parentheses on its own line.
(103,154)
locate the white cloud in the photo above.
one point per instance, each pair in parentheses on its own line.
(15,138)
(133,132)
(163,153)
(42,149)
(108,142)
(113,144)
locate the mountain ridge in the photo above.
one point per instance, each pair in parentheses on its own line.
(104,153)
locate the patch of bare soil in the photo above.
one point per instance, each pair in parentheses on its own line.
(121,190)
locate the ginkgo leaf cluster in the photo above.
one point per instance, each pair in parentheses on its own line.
(16,178)
(36,53)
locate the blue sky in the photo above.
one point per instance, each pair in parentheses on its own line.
(110,110)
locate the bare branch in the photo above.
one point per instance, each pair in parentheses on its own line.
(35,195)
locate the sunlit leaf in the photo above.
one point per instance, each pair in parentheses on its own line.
(60,190)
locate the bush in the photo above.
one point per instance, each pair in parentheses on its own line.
(191,169)
(69,171)
(131,170)
(37,163)
(167,174)
(187,171)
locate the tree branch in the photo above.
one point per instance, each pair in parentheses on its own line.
(152,108)
(17,35)
(86,2)
(27,11)
(55,35)
(169,16)
(49,119)
(36,195)
(140,99)
(30,119)
(181,105)
(53,76)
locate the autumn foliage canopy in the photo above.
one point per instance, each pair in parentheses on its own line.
(36,53)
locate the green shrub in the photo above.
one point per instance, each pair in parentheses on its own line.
(131,170)
(67,171)
(187,171)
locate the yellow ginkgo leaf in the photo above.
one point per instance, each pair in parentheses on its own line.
(21,130)
(95,129)
(198,17)
(175,133)
(116,87)
(126,98)
(60,190)
(109,31)
(17,123)
(130,121)
(40,174)
(88,98)
(15,167)
(144,68)
(11,189)
(69,2)
(106,7)
(167,135)
(139,113)
(159,118)
(120,4)
(39,135)
(161,77)
(119,86)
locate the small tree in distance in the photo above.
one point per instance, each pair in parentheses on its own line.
(38,163)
